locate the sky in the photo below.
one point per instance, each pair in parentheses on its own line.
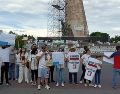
(31,16)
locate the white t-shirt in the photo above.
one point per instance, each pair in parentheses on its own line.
(74,61)
(32,59)
(18,58)
(42,63)
(85,58)
(6,54)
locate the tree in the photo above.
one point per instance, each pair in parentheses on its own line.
(115,39)
(104,37)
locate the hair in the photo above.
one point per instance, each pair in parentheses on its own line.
(117,48)
(33,51)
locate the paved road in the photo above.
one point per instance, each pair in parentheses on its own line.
(68,89)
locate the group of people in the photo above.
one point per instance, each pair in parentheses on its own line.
(37,66)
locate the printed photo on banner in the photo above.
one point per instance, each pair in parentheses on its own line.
(108,54)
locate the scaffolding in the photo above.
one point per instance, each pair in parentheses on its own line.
(56,18)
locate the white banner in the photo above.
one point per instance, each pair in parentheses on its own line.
(108,54)
(74,62)
(58,57)
(10,38)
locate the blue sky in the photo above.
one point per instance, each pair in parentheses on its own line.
(30,16)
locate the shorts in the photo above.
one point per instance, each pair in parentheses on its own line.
(43,72)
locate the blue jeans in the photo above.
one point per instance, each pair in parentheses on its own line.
(17,71)
(12,71)
(60,75)
(97,77)
(116,72)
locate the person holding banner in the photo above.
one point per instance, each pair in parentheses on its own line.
(84,60)
(73,64)
(116,65)
(58,59)
(5,63)
(98,72)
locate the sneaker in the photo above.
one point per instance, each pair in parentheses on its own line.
(39,87)
(47,87)
(99,86)
(62,84)
(8,84)
(95,86)
(57,84)
(91,85)
(81,82)
(86,85)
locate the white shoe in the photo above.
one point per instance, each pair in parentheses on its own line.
(81,82)
(91,85)
(39,87)
(62,84)
(86,85)
(99,86)
(95,86)
(47,87)
(57,84)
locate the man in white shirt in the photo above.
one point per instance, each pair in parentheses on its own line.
(5,64)
(43,72)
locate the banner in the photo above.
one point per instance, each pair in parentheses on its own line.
(10,38)
(91,69)
(108,54)
(74,61)
(58,57)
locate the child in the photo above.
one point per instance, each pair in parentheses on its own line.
(98,72)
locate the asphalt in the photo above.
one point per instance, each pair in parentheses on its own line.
(106,81)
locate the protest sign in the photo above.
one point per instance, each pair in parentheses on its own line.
(108,54)
(58,57)
(74,61)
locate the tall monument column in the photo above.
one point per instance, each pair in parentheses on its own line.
(75,17)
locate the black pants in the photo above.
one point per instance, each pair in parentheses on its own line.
(34,75)
(4,70)
(83,74)
(51,73)
(75,77)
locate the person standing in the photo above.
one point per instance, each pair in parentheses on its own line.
(98,71)
(17,64)
(43,71)
(23,68)
(116,65)
(73,64)
(5,64)
(58,60)
(33,66)
(12,65)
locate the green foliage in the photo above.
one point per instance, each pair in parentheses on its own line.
(104,37)
(115,39)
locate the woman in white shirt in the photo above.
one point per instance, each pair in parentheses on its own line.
(33,66)
(23,69)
